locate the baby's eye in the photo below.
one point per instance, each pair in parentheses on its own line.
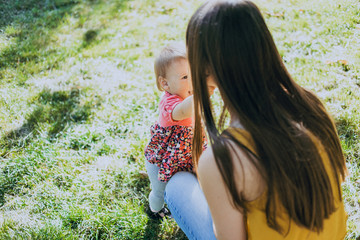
(185,77)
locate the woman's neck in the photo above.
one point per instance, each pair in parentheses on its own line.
(235,122)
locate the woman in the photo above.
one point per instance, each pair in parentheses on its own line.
(275,173)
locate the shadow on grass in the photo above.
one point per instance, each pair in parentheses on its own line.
(10,11)
(54,111)
(30,25)
(152,229)
(350,134)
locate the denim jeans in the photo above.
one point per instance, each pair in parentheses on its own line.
(188,206)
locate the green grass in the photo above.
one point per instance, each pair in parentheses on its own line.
(78,95)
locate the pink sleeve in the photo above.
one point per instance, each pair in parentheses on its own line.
(167,105)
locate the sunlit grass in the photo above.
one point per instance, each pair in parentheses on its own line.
(78,96)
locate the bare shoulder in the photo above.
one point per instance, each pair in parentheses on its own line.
(207,161)
(228,220)
(249,181)
(207,168)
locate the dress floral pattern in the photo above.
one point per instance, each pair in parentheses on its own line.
(170,149)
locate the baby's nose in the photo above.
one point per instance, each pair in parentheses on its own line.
(190,85)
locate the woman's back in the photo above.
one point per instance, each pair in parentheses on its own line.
(256,223)
(230,47)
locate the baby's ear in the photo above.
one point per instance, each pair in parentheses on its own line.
(163,83)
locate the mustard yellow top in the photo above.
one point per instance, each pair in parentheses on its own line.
(257,228)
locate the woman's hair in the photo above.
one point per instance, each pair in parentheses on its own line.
(230,41)
(168,54)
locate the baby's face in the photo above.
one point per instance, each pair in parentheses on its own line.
(178,78)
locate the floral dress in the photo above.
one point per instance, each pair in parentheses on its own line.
(171,141)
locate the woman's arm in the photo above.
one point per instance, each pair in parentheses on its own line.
(228,221)
(184,109)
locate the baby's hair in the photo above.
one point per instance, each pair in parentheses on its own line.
(167,55)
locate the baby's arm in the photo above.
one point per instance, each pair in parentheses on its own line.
(184,109)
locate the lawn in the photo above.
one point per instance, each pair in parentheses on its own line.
(78,95)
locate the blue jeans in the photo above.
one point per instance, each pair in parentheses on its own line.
(188,206)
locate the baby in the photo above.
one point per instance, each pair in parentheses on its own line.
(169,149)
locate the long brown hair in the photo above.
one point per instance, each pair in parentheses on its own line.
(230,41)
